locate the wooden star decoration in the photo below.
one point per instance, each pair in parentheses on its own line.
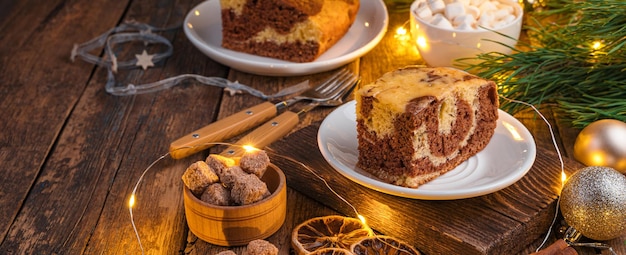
(144,60)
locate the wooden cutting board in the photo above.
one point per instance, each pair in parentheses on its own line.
(504,222)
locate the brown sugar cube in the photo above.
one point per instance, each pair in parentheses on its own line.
(198,176)
(255,162)
(216,194)
(261,247)
(230,174)
(218,163)
(248,189)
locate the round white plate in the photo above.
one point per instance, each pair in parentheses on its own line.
(506,159)
(203,27)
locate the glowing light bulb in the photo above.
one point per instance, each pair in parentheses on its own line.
(249,148)
(401,31)
(596,45)
(421,42)
(131,201)
(402,34)
(361,218)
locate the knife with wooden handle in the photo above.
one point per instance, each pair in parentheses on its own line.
(265,134)
(282,124)
(228,127)
(221,130)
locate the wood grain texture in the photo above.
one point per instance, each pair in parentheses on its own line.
(503,222)
(39,89)
(77,203)
(71,153)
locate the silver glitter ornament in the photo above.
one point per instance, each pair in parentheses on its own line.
(602,143)
(593,201)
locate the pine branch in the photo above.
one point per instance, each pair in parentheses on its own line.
(575,59)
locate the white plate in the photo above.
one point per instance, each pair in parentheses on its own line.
(507,158)
(203,27)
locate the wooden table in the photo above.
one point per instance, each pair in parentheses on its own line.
(71,153)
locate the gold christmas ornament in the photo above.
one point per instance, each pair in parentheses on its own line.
(602,143)
(593,201)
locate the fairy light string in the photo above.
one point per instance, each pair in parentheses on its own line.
(558,152)
(563,180)
(133,197)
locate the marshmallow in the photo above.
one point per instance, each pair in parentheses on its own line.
(464,2)
(441,21)
(486,20)
(454,9)
(466,14)
(502,6)
(436,6)
(464,19)
(472,10)
(423,12)
(476,2)
(508,19)
(500,13)
(465,27)
(487,6)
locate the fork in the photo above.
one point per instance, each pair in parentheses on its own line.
(242,121)
(279,126)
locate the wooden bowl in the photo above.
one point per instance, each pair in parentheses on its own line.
(238,225)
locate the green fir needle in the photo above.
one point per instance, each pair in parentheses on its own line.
(574,58)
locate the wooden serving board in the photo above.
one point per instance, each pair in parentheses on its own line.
(504,222)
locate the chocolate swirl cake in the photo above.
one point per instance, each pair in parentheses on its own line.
(292,30)
(417,123)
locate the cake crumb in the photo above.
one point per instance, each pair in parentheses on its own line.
(255,162)
(216,194)
(248,189)
(261,247)
(198,176)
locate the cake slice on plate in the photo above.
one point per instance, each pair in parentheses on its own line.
(292,30)
(417,123)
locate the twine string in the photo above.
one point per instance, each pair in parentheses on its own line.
(134,31)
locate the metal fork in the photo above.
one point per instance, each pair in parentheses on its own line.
(242,121)
(332,87)
(285,122)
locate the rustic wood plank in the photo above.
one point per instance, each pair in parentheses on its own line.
(503,222)
(106,144)
(40,88)
(161,118)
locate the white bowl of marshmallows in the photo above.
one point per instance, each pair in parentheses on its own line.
(446,30)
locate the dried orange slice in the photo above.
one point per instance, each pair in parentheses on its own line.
(331,251)
(328,232)
(382,245)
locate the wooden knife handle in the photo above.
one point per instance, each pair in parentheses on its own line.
(265,134)
(221,130)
